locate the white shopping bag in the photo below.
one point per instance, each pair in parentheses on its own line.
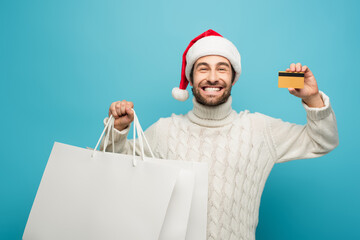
(87,194)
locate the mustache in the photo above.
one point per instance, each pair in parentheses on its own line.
(213,83)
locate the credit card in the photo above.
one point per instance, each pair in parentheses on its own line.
(291,79)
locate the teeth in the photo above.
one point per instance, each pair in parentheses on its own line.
(212,89)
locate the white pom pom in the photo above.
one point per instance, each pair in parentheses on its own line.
(180,94)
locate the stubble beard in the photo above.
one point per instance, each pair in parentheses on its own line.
(211,101)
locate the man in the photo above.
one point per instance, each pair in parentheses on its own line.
(240,148)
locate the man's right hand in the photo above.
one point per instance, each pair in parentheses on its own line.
(123,114)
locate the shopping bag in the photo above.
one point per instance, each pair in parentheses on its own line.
(88,194)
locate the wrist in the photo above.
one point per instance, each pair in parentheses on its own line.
(314,101)
(120,128)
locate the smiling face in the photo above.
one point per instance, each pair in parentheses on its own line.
(212,80)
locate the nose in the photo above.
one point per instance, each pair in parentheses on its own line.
(212,76)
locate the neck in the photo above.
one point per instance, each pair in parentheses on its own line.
(212,116)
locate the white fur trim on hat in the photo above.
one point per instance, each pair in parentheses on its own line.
(180,94)
(213,45)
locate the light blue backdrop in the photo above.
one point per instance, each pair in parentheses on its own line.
(63,62)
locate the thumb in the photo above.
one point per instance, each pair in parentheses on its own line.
(293,91)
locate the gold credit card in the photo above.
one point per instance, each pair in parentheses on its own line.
(291,79)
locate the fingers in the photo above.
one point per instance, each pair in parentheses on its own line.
(305,69)
(112,110)
(130,104)
(296,68)
(130,113)
(292,67)
(120,108)
(129,109)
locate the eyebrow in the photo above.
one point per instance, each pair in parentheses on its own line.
(202,64)
(218,64)
(223,63)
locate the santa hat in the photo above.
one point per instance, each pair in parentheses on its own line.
(207,43)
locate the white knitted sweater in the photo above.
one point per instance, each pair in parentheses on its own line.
(241,149)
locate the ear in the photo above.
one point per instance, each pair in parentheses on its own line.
(190,82)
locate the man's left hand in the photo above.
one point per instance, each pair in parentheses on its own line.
(310,93)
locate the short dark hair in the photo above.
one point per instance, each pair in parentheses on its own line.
(232,76)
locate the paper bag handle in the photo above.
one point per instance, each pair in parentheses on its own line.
(141,136)
(137,130)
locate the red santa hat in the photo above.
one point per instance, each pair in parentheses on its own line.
(207,43)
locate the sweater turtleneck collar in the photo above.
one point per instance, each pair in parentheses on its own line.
(209,116)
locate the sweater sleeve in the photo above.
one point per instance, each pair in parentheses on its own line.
(125,146)
(292,141)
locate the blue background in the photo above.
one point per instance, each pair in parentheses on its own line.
(62,63)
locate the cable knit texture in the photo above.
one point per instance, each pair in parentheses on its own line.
(241,149)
